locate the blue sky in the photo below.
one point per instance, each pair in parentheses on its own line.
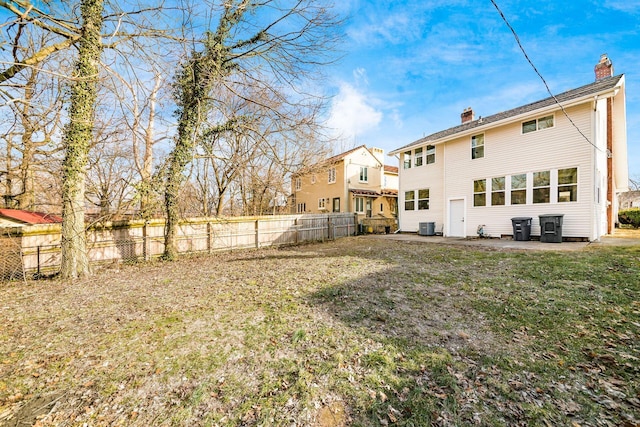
(410,67)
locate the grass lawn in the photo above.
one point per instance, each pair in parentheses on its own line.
(357,332)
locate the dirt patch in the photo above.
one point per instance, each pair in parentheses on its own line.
(29,412)
(332,415)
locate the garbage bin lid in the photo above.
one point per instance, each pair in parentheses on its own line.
(521,218)
(550,215)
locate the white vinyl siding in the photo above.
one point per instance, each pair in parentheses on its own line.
(513,154)
(429,176)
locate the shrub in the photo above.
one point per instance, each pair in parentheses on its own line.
(630,217)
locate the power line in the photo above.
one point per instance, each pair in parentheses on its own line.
(544,81)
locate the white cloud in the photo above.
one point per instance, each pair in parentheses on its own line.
(360,76)
(628,6)
(352,113)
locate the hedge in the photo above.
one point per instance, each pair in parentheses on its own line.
(630,217)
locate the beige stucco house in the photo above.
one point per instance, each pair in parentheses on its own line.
(564,155)
(355,181)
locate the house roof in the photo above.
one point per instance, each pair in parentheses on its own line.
(372,193)
(29,217)
(600,86)
(390,169)
(341,156)
(337,158)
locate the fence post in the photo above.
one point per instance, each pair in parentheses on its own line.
(330,233)
(355,224)
(257,227)
(209,237)
(145,242)
(296,232)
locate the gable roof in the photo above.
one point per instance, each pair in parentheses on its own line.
(29,217)
(331,160)
(604,85)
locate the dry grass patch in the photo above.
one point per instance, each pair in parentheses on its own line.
(360,331)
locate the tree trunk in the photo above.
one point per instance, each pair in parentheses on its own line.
(77,139)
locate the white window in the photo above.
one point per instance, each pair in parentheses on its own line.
(431,154)
(360,204)
(301,208)
(418,157)
(407,159)
(321,203)
(298,184)
(477,146)
(568,185)
(364,174)
(480,192)
(332,175)
(423,199)
(537,124)
(497,191)
(542,187)
(409,200)
(519,189)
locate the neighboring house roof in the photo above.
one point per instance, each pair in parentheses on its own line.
(371,193)
(28,217)
(600,86)
(339,157)
(390,169)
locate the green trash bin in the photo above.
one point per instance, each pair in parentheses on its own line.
(551,228)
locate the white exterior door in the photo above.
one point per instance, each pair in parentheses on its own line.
(456,218)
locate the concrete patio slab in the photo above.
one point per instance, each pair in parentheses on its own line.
(617,239)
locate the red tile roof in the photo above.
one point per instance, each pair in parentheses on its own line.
(30,217)
(390,169)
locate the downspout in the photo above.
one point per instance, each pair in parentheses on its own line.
(594,206)
(445,223)
(397,156)
(610,220)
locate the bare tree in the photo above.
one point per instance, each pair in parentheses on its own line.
(31,126)
(83,32)
(252,40)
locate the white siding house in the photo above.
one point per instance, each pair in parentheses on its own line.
(562,155)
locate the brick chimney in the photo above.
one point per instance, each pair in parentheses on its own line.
(604,68)
(467,115)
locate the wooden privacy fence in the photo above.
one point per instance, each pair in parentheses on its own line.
(36,249)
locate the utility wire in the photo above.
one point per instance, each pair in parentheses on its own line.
(544,81)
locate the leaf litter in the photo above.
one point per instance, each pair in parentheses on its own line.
(359,331)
